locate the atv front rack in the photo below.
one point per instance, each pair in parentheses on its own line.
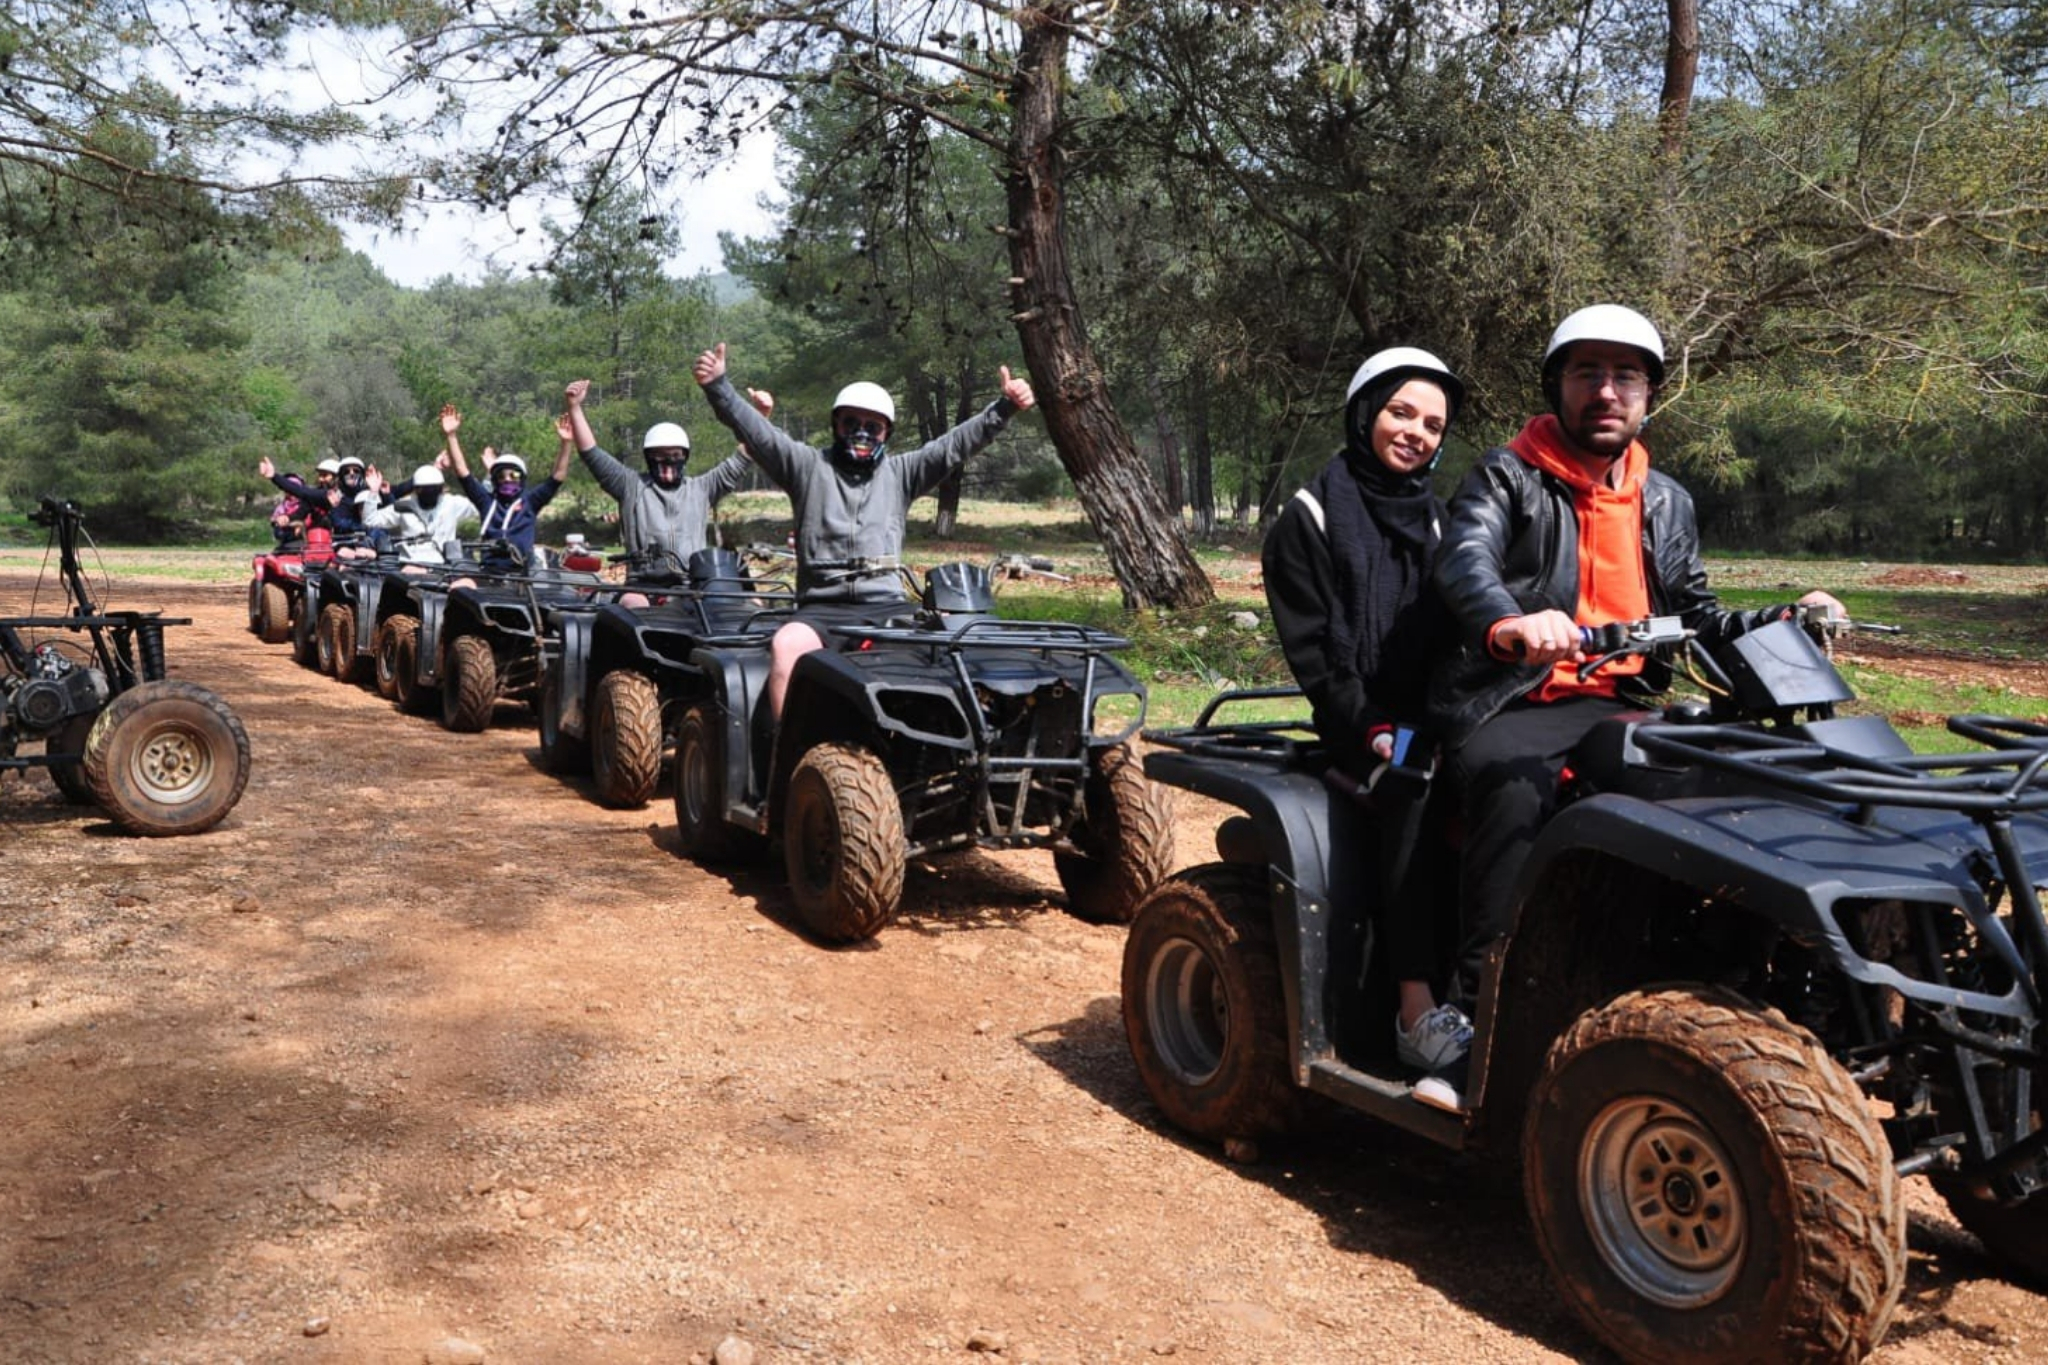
(1282,743)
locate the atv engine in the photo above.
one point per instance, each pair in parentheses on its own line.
(50,692)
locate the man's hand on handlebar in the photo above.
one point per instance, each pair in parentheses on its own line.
(1544,637)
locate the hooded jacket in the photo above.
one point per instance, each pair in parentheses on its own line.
(1511,547)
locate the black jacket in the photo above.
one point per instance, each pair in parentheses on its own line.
(1512,547)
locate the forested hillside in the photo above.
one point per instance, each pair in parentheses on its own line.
(1188,220)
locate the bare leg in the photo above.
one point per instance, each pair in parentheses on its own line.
(1416,1000)
(791,643)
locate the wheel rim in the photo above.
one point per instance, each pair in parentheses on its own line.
(818,843)
(1188,1011)
(1662,1201)
(172,764)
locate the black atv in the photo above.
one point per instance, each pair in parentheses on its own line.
(1768,962)
(486,632)
(159,756)
(625,675)
(323,583)
(937,726)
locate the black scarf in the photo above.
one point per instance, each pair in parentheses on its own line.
(1383,530)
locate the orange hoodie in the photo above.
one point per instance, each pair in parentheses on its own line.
(1612,585)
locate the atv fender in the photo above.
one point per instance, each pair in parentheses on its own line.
(574,662)
(1314,838)
(736,680)
(369,594)
(433,612)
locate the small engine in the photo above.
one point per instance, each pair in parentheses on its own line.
(52,691)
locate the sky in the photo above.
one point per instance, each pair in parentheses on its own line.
(454,240)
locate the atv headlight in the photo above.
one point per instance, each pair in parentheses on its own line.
(293,570)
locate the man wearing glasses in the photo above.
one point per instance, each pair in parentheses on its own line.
(507,503)
(851,499)
(1564,526)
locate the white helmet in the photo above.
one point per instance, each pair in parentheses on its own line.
(427,476)
(1407,360)
(666,436)
(346,461)
(330,465)
(1607,322)
(499,461)
(869,397)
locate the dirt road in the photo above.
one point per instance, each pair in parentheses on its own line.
(424,1056)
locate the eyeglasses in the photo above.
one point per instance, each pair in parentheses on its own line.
(507,475)
(862,426)
(1627,383)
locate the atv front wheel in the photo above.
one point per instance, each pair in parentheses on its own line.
(843,843)
(2016,1235)
(305,638)
(625,739)
(469,685)
(1707,1184)
(1203,1005)
(399,638)
(167,758)
(702,830)
(273,613)
(255,606)
(561,754)
(1126,841)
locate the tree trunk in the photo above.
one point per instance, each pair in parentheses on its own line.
(1169,444)
(1681,70)
(1202,458)
(1148,552)
(949,492)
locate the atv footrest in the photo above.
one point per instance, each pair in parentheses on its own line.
(1385,1099)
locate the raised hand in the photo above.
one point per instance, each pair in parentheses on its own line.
(763,401)
(451,419)
(265,468)
(710,366)
(1018,391)
(564,428)
(576,391)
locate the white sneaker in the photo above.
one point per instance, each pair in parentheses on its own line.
(1440,1037)
(1443,1089)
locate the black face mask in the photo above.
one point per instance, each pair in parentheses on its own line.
(427,498)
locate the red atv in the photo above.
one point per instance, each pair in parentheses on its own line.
(277,582)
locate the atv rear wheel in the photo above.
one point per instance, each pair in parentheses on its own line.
(336,641)
(273,613)
(561,754)
(404,643)
(625,739)
(702,830)
(1126,841)
(469,685)
(1706,1184)
(1203,1006)
(305,637)
(384,654)
(843,843)
(167,758)
(70,778)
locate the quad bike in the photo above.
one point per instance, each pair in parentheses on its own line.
(159,756)
(937,726)
(486,631)
(1768,963)
(624,676)
(320,583)
(277,582)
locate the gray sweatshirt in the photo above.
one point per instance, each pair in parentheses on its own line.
(842,517)
(655,518)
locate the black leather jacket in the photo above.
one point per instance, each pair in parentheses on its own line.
(1511,547)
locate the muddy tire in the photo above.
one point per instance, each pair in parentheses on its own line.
(469,685)
(561,754)
(843,843)
(273,613)
(255,605)
(69,778)
(625,739)
(385,654)
(1126,841)
(167,758)
(1706,1184)
(1204,1009)
(702,831)
(405,666)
